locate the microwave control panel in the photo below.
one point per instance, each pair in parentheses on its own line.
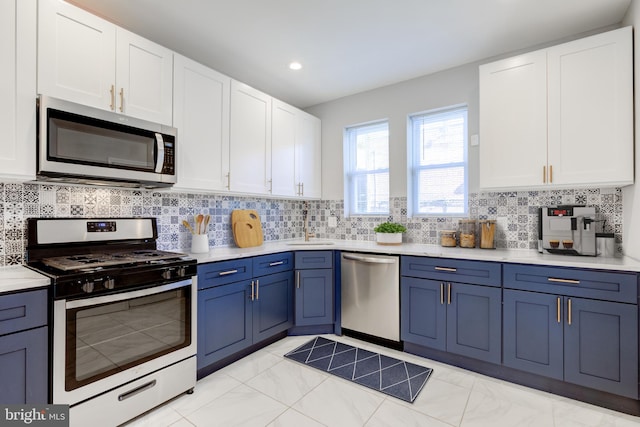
(168,166)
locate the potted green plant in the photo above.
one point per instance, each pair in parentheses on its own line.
(389,233)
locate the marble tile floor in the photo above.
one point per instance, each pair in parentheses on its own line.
(265,389)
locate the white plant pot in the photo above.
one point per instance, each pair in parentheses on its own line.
(389,238)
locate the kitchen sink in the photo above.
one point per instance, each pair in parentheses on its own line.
(310,243)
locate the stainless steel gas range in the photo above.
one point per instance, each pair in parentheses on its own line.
(123,316)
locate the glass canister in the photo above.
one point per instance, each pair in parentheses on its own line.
(467,233)
(448,238)
(487,234)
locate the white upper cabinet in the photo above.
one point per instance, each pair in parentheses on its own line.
(201,114)
(561,116)
(591,110)
(513,121)
(308,156)
(250,135)
(283,149)
(296,151)
(18,89)
(85,59)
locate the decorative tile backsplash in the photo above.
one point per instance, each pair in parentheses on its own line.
(515,212)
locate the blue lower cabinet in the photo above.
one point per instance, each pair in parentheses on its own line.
(225,321)
(272,305)
(601,345)
(581,341)
(533,333)
(23,367)
(234,316)
(454,317)
(314,297)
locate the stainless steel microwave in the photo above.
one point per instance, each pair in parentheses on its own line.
(87,145)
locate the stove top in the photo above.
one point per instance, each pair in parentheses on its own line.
(94,260)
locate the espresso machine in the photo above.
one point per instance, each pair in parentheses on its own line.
(568,230)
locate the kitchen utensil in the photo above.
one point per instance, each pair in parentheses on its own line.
(199,219)
(188,226)
(246,227)
(207,218)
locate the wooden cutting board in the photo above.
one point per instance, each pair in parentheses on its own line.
(247,229)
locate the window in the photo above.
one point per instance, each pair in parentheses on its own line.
(438,162)
(366,166)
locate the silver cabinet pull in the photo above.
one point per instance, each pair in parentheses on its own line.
(298,279)
(570,281)
(273,264)
(449,269)
(136,390)
(224,273)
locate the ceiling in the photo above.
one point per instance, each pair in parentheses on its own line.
(349,46)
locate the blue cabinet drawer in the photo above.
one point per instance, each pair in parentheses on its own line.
(595,284)
(452,270)
(273,263)
(314,259)
(24,310)
(221,273)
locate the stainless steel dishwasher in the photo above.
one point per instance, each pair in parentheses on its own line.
(371,294)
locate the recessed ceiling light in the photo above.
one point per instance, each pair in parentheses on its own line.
(295,65)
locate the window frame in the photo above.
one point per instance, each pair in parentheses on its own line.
(414,169)
(350,174)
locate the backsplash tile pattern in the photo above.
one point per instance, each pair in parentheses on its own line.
(516,213)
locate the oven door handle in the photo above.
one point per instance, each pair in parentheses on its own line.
(85,302)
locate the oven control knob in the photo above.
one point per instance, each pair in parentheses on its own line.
(87,287)
(182,271)
(167,273)
(109,283)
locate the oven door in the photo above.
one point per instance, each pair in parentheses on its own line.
(103,342)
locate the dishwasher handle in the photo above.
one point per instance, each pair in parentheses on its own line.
(370,260)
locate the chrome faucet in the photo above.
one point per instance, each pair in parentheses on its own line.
(306,223)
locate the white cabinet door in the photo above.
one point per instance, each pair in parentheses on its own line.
(591,110)
(144,77)
(85,59)
(76,55)
(513,122)
(18,88)
(309,156)
(250,135)
(283,149)
(201,114)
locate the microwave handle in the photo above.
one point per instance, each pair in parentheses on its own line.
(160,153)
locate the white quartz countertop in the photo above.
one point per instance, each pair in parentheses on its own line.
(517,256)
(19,278)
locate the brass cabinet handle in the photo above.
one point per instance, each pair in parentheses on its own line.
(570,281)
(224,273)
(449,293)
(569,311)
(544,174)
(257,289)
(559,319)
(298,279)
(252,290)
(112,106)
(452,270)
(121,99)
(550,174)
(441,292)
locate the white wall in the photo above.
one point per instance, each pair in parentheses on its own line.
(455,86)
(631,194)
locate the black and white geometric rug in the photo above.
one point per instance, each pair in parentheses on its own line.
(394,377)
